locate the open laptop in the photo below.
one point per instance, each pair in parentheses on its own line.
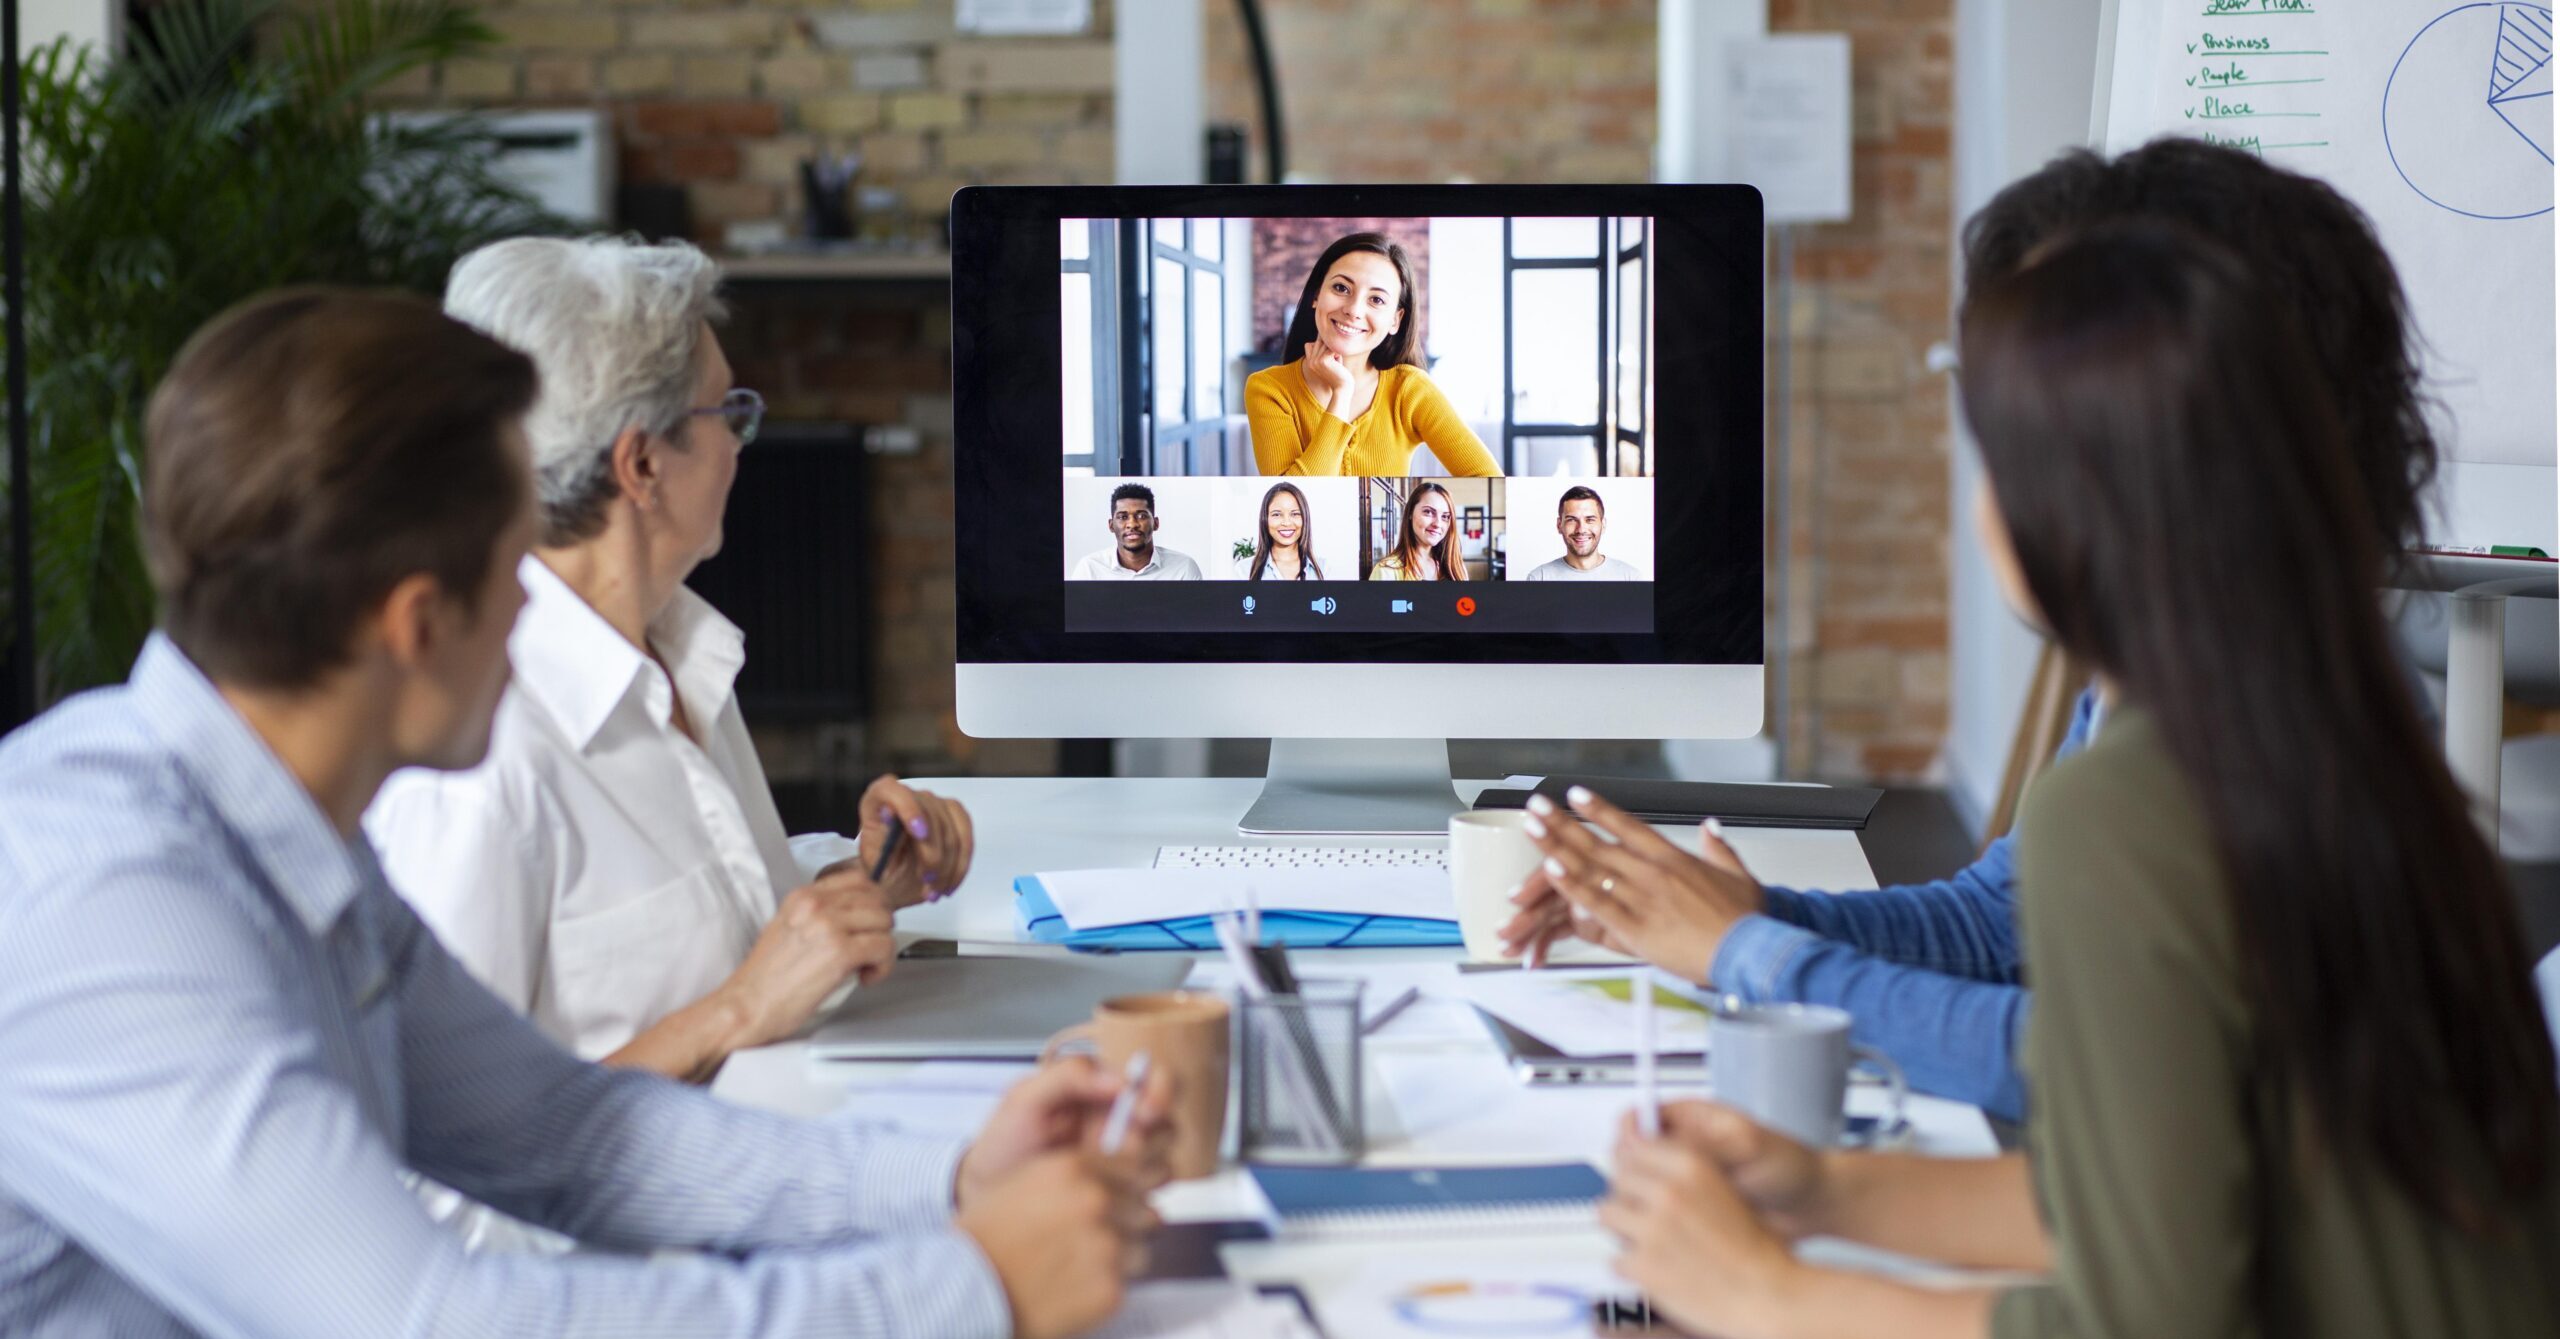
(983,1008)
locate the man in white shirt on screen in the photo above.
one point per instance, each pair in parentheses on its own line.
(1581,520)
(1135,555)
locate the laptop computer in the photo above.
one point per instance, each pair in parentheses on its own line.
(983,1008)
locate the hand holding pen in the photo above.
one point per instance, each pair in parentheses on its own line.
(929,856)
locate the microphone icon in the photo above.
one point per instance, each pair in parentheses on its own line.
(1248,604)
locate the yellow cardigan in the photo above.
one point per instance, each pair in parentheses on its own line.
(1292,434)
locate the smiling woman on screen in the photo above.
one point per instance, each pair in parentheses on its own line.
(1282,548)
(1354,399)
(1426,540)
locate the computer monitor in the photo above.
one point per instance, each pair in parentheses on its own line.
(1360,470)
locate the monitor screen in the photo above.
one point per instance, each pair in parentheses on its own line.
(1302,423)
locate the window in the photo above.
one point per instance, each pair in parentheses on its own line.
(1577,336)
(1185,301)
(1088,341)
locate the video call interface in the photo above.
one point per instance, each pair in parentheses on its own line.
(1358,424)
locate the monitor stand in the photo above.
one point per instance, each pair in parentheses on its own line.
(1354,787)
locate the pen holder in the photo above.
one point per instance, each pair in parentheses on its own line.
(1298,1063)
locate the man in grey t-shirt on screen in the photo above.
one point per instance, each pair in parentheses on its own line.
(1580,519)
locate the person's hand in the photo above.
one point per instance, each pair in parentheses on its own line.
(1328,376)
(1064,1106)
(1787,1184)
(935,856)
(1545,919)
(1647,896)
(835,928)
(1065,1232)
(1689,1240)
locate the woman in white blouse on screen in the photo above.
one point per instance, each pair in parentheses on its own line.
(616,869)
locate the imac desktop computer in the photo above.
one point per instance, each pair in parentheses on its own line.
(1360,470)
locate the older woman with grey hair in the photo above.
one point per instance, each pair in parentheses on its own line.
(616,870)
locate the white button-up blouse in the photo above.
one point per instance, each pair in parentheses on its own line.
(600,870)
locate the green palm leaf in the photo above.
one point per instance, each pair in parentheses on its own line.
(230,148)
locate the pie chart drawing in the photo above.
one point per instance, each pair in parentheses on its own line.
(2466,116)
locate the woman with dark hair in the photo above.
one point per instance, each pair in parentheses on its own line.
(1281,547)
(1426,540)
(1930,970)
(2289,1074)
(1353,399)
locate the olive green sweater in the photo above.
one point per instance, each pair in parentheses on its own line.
(2184,1194)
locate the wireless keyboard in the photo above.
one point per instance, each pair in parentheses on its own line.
(1302,857)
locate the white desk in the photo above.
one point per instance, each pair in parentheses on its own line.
(1026,825)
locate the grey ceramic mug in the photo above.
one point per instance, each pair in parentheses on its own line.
(1787,1067)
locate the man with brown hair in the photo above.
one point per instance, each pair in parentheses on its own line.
(223,1036)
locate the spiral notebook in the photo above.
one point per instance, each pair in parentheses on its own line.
(1328,1200)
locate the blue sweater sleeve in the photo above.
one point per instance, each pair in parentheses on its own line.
(1930,971)
(1953,1037)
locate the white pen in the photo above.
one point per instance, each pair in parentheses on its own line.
(1648,1098)
(1115,1127)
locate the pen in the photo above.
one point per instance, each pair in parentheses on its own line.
(1648,1099)
(888,850)
(1393,1007)
(1115,1127)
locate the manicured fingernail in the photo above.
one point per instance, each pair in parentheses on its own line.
(931,885)
(1540,804)
(1715,826)
(1535,828)
(1554,867)
(888,815)
(1578,795)
(916,827)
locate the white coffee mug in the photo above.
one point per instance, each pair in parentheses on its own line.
(1489,854)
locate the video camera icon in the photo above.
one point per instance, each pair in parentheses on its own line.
(1399,606)
(1323,604)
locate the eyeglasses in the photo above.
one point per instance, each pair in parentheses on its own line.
(741,409)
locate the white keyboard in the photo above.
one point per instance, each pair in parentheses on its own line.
(1302,857)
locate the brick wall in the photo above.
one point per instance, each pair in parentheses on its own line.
(725,99)
(1563,90)
(1285,249)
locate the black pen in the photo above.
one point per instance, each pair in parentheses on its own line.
(888,849)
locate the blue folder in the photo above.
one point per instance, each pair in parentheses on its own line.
(1038,917)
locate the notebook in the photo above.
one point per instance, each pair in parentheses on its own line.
(1325,1200)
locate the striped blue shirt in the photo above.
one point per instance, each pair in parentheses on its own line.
(222,1036)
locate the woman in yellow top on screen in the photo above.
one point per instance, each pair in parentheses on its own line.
(1354,399)
(1426,541)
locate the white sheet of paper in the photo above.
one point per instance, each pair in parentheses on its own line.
(1507,1290)
(1787,106)
(1092,898)
(1468,1108)
(938,1097)
(1567,1011)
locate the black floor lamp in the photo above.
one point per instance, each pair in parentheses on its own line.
(21,705)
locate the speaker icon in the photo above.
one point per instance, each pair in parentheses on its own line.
(1323,604)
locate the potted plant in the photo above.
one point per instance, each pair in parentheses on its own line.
(229,148)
